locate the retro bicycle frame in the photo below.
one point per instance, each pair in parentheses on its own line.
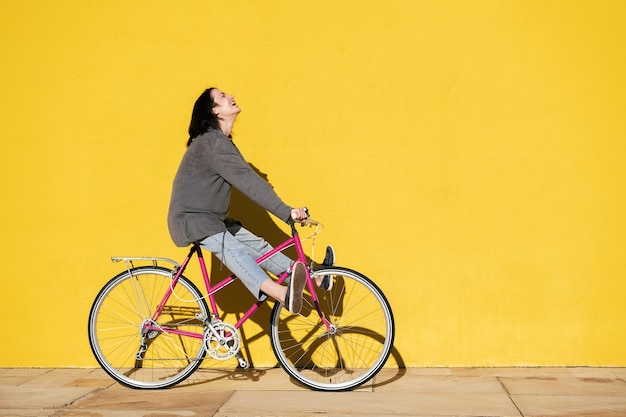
(213,289)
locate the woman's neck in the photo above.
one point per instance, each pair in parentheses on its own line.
(226,125)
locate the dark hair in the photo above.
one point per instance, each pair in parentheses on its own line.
(202,117)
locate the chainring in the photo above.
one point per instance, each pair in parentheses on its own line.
(222,340)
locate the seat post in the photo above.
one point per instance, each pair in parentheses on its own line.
(196,248)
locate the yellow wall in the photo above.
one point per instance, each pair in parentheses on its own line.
(469,156)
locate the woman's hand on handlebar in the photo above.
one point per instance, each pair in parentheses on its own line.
(299,214)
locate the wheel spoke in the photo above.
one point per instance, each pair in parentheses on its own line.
(353,351)
(154,359)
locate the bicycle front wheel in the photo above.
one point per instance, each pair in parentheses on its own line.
(350,351)
(154,358)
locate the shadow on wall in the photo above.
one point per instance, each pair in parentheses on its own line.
(235,299)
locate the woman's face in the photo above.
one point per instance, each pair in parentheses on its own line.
(225,105)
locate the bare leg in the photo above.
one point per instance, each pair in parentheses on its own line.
(290,297)
(274,290)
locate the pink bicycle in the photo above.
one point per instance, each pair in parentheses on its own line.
(150,327)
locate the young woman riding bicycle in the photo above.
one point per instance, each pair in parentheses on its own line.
(150,327)
(200,202)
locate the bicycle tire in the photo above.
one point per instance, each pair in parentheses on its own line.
(351,355)
(115,322)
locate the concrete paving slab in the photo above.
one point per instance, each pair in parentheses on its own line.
(127,402)
(271,379)
(29,372)
(92,382)
(441,384)
(571,405)
(309,403)
(545,385)
(95,378)
(582,372)
(595,392)
(18,376)
(422,392)
(57,377)
(246,380)
(619,373)
(422,371)
(498,372)
(385,376)
(32,397)
(26,412)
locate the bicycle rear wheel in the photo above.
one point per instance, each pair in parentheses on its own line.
(348,354)
(154,359)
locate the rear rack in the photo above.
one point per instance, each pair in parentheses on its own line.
(155,261)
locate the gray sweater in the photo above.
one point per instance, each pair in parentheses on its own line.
(201,191)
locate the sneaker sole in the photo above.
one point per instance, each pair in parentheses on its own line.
(296,287)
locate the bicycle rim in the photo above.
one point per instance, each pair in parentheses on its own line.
(122,308)
(354,350)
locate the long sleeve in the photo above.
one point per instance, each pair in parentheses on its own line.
(202,187)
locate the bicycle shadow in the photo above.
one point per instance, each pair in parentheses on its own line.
(203,375)
(234,299)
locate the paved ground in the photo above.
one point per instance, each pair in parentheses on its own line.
(270,392)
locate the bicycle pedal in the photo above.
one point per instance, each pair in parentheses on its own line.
(242,362)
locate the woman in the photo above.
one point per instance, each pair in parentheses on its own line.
(201,199)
